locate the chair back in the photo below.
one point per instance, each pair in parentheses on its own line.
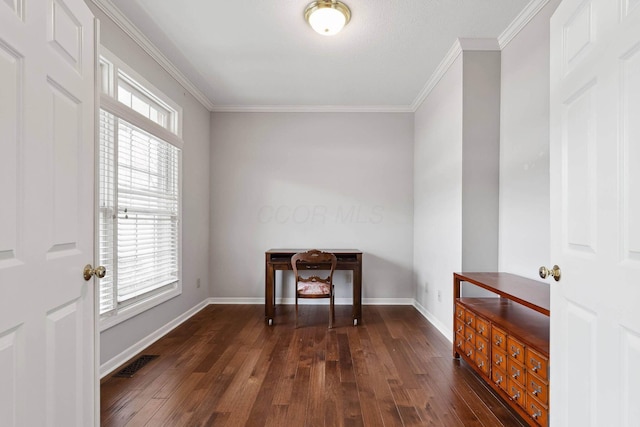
(313,260)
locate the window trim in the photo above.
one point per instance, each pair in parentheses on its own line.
(109,103)
(135,79)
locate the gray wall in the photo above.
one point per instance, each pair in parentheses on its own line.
(456,181)
(480,160)
(305,180)
(195,223)
(524,149)
(438,194)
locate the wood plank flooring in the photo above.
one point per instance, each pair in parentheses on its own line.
(225,367)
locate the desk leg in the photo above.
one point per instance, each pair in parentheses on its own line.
(357,293)
(269,294)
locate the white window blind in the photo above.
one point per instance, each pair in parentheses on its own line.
(139,213)
(106,208)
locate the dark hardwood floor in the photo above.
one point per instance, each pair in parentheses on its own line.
(225,367)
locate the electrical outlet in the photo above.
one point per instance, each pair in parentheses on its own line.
(198,283)
(439,295)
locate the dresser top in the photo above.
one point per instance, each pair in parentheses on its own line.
(528,292)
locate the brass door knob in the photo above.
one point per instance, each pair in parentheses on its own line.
(554,272)
(89,271)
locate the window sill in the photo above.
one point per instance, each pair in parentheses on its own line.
(134,309)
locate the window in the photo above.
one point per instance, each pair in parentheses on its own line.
(139,194)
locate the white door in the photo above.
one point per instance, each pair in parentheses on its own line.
(47,115)
(595,213)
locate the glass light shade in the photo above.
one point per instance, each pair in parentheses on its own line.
(327,17)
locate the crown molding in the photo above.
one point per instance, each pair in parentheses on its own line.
(478,44)
(462,44)
(312,109)
(459,46)
(527,14)
(132,31)
(445,64)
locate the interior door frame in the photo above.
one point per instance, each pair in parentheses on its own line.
(96,243)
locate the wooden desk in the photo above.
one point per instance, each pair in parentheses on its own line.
(280,259)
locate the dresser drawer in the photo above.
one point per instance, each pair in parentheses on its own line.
(515,371)
(499,377)
(516,392)
(459,343)
(459,312)
(470,351)
(459,326)
(498,338)
(538,412)
(538,388)
(482,327)
(482,346)
(499,359)
(515,349)
(470,319)
(470,335)
(537,364)
(482,362)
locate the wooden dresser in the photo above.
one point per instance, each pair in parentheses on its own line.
(506,339)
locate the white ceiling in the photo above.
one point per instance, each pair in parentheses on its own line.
(243,54)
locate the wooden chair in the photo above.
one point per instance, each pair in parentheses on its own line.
(314,286)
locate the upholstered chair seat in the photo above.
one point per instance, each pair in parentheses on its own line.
(313,287)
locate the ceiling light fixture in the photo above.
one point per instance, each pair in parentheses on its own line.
(327,17)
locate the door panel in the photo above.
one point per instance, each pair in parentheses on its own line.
(64,360)
(10,127)
(9,374)
(581,360)
(65,132)
(63,30)
(579,182)
(577,36)
(630,371)
(631,155)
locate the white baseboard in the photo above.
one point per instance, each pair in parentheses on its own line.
(235,300)
(290,301)
(444,330)
(109,366)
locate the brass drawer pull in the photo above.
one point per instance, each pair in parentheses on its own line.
(469,353)
(498,341)
(499,380)
(481,347)
(459,329)
(535,365)
(499,360)
(536,388)
(537,414)
(516,396)
(516,351)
